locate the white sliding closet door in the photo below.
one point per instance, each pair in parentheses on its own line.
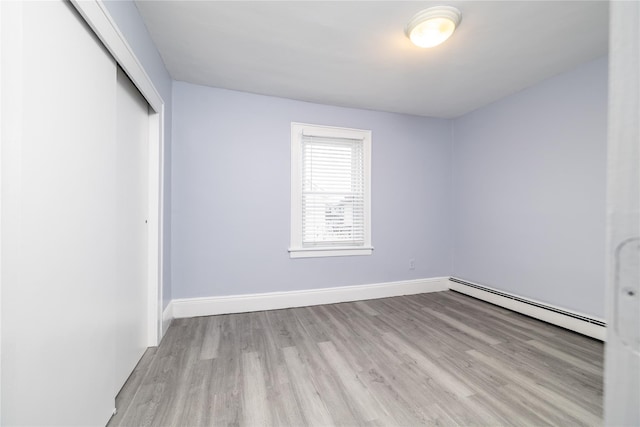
(58,228)
(622,357)
(132,157)
(75,197)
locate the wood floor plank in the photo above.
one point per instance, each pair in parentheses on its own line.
(405,404)
(149,404)
(433,341)
(225,377)
(362,305)
(522,381)
(463,327)
(439,359)
(446,381)
(196,409)
(566,357)
(132,385)
(280,395)
(369,409)
(254,394)
(313,408)
(552,411)
(556,375)
(589,351)
(174,404)
(501,327)
(472,373)
(211,339)
(524,323)
(509,409)
(342,407)
(342,334)
(402,389)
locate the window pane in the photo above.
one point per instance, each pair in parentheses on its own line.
(332,192)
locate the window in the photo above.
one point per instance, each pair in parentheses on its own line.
(330,191)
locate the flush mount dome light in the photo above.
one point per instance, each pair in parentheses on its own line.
(430,27)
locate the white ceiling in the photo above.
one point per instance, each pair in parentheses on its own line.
(355,53)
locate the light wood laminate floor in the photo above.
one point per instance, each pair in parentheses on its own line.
(436,359)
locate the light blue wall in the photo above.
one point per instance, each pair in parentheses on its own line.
(129,21)
(524,210)
(231,191)
(529,191)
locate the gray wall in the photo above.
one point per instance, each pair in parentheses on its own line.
(529,191)
(130,23)
(231,191)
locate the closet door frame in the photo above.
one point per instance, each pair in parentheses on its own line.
(99,20)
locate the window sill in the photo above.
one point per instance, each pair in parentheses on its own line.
(327,252)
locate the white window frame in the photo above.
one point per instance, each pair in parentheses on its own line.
(296,249)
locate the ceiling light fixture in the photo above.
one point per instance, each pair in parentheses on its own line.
(430,27)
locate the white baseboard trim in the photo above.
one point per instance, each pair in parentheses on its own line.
(569,319)
(167,317)
(193,307)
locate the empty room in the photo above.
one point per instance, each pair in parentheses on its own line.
(319,213)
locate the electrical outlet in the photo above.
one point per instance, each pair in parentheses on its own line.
(412,264)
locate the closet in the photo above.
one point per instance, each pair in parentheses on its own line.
(75,221)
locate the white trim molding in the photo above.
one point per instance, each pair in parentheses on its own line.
(193,307)
(167,317)
(298,248)
(100,21)
(568,319)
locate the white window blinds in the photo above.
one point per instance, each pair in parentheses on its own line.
(330,191)
(333,192)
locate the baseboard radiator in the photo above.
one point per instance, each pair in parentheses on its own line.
(589,326)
